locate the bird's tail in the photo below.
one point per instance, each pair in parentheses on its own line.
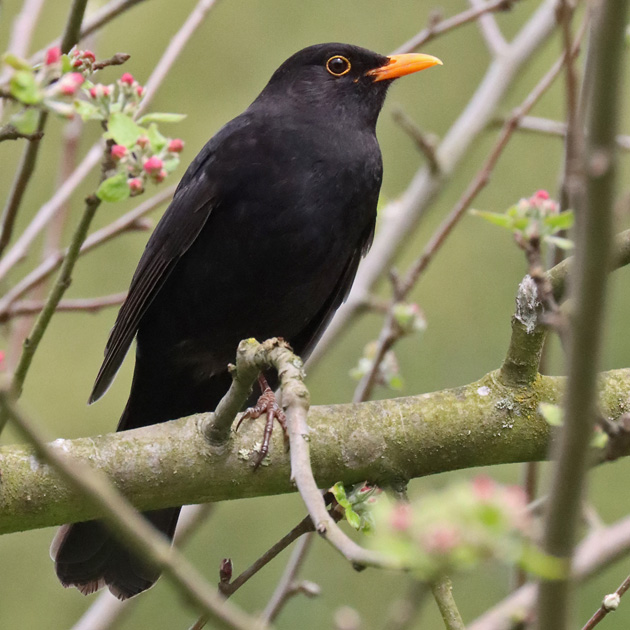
(88,556)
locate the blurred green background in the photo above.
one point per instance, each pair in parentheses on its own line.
(467,293)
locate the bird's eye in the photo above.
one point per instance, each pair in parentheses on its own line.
(338,65)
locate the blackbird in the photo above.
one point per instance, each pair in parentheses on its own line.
(262,239)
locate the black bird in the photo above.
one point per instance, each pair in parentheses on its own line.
(262,239)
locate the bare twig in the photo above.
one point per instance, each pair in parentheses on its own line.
(20,183)
(117,60)
(61,285)
(593,247)
(173,50)
(609,604)
(303,527)
(129,221)
(286,585)
(465,17)
(85,305)
(557,128)
(442,590)
(45,214)
(490,30)
(9,132)
(425,144)
(131,526)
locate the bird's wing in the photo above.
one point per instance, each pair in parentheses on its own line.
(175,233)
(309,336)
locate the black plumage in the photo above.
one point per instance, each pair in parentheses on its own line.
(263,238)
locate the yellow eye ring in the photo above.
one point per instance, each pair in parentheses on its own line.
(338,66)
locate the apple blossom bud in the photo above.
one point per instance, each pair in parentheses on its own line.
(135,185)
(53,55)
(142,141)
(127,78)
(69,83)
(118,152)
(176,145)
(153,165)
(160,177)
(140,91)
(88,55)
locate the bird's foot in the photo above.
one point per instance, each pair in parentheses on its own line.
(267,405)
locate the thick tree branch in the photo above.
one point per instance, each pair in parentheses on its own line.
(389,441)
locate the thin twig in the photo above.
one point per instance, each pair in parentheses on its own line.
(131,526)
(117,60)
(303,527)
(451,23)
(286,585)
(85,305)
(61,285)
(129,221)
(173,50)
(609,604)
(490,30)
(557,128)
(425,144)
(593,251)
(9,132)
(20,183)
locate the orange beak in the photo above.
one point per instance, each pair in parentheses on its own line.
(400,65)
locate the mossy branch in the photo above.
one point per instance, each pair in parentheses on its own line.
(386,441)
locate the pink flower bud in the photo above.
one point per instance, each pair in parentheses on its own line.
(118,151)
(127,78)
(135,185)
(175,145)
(99,91)
(88,55)
(541,194)
(77,63)
(153,165)
(53,55)
(140,91)
(160,177)
(70,83)
(142,141)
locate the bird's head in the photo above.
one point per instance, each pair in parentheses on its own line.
(340,78)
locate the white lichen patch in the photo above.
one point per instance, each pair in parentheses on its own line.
(484,390)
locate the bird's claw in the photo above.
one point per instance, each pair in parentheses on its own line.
(266,405)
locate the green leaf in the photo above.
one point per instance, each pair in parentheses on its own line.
(158,117)
(562,221)
(353,518)
(157,140)
(551,413)
(558,241)
(123,130)
(26,120)
(16,62)
(495,218)
(114,188)
(88,111)
(24,87)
